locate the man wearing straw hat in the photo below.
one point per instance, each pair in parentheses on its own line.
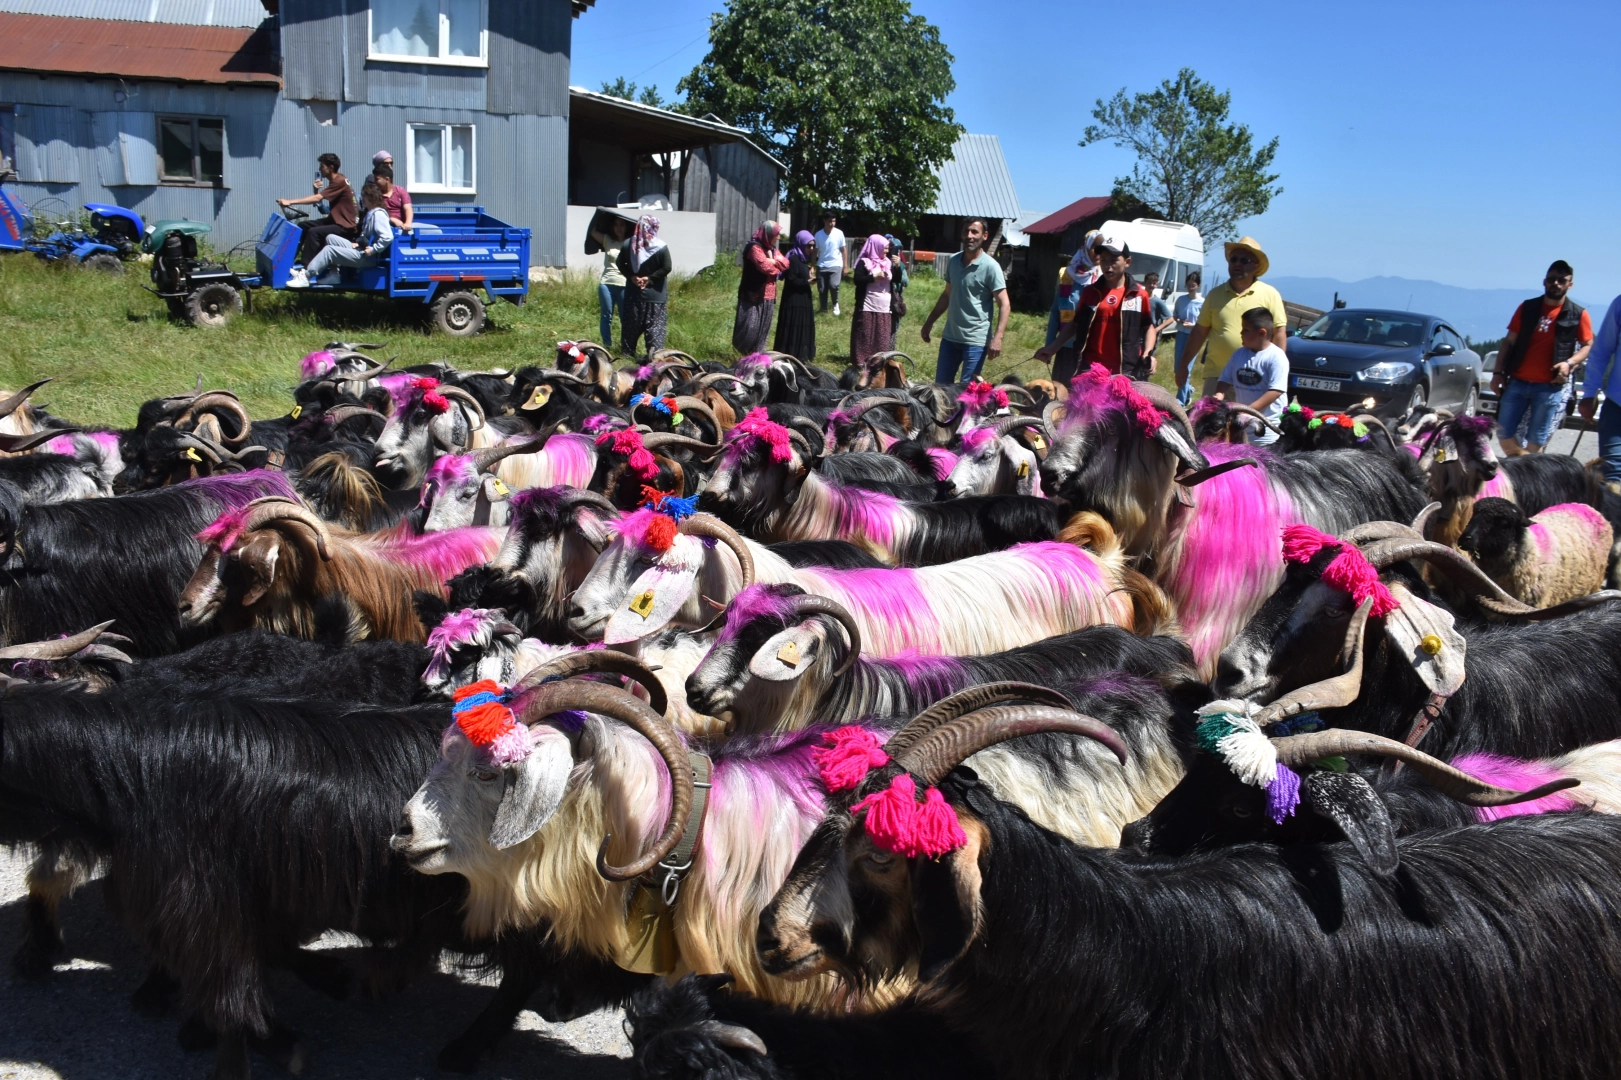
(1221,320)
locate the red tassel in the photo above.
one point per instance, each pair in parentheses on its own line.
(660,534)
(483,724)
(483,686)
(849,754)
(892,815)
(936,830)
(641,460)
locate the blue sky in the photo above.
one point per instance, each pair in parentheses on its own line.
(1467,143)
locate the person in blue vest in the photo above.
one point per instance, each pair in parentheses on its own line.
(1548,337)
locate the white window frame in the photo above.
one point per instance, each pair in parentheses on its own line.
(482,60)
(413,185)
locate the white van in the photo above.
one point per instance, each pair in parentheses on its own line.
(1166,248)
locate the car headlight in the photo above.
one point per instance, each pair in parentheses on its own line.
(1386,372)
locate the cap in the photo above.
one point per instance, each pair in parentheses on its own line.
(381,156)
(1113,243)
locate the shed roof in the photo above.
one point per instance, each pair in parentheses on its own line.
(1078,210)
(240,13)
(139,50)
(646,129)
(976,180)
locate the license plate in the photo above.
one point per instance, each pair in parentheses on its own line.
(1305,383)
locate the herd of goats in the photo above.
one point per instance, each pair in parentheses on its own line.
(1020,730)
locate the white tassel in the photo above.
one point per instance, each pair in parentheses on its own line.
(1249,753)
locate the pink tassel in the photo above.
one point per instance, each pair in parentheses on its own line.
(892,815)
(642,463)
(936,830)
(1301,543)
(1352,573)
(850,753)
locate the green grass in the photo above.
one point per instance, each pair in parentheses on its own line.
(111,345)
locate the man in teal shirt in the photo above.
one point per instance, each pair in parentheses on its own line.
(973,283)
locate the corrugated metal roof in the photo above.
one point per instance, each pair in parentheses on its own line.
(206,54)
(647,129)
(1060,220)
(241,13)
(976,181)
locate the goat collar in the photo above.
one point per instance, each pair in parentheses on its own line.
(651,948)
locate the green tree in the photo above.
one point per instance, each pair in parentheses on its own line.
(849,94)
(621,88)
(1193,165)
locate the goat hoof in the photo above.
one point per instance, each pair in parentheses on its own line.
(460,1056)
(34,958)
(195,1035)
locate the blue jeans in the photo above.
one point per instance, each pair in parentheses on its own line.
(1184,394)
(1538,404)
(1609,439)
(608,298)
(954,354)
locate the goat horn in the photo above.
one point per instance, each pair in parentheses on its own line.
(1247,411)
(970,700)
(1004,424)
(485,457)
(1015,388)
(1298,751)
(99,651)
(16,444)
(881,438)
(214,401)
(706,381)
(687,403)
(594,499)
(804,369)
(1424,516)
(1210,472)
(462,395)
(1455,564)
(1051,414)
(545,374)
(1559,611)
(56,648)
(9,405)
(365,375)
(1369,418)
(664,356)
(632,712)
(1370,531)
(655,440)
(216,453)
(809,604)
(949,745)
(593,661)
(339,413)
(1332,693)
(261,512)
(805,423)
(709,525)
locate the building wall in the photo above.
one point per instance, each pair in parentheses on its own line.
(690,236)
(736,183)
(76,141)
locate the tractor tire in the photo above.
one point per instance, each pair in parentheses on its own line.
(458,314)
(105,262)
(213,305)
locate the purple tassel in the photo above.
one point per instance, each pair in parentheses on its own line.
(1283,794)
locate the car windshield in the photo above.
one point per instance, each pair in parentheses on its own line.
(1387,329)
(1143,265)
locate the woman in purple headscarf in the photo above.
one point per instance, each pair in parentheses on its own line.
(870,329)
(796,321)
(763,264)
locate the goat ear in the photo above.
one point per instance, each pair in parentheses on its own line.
(1351,803)
(786,655)
(258,558)
(945,905)
(1413,620)
(532,790)
(653,600)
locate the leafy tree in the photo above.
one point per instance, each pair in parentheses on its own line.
(849,94)
(620,88)
(1193,165)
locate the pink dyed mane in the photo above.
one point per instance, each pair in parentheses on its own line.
(974,439)
(449,468)
(756,428)
(944,461)
(225,530)
(1516,775)
(1350,572)
(1095,392)
(316,364)
(442,554)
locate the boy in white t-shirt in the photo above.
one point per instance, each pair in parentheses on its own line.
(832,260)
(1257,375)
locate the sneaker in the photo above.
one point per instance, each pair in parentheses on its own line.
(299,278)
(835,311)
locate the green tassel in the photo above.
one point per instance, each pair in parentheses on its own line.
(1212,730)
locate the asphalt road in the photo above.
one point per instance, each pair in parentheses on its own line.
(78,1024)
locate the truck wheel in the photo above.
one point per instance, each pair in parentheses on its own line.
(105,262)
(213,305)
(459,314)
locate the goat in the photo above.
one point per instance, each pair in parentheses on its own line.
(1212,529)
(764,487)
(1458,456)
(342,491)
(1557,555)
(430,418)
(1057,960)
(993,462)
(472,489)
(268,564)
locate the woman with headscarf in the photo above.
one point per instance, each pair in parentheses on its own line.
(870,329)
(645,262)
(899,280)
(796,323)
(763,264)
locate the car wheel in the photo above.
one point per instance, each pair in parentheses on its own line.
(1417,401)
(1471,402)
(213,305)
(459,314)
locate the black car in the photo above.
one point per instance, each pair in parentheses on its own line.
(1396,359)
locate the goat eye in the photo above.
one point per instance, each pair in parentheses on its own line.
(878,859)
(1334,612)
(1241,812)
(484,775)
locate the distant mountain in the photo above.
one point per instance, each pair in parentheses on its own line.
(1480,314)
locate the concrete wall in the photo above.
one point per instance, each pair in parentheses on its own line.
(691,237)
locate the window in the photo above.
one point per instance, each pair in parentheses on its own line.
(191,150)
(440,158)
(428,31)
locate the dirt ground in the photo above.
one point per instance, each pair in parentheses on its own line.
(78,1024)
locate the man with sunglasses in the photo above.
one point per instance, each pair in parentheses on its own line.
(1548,338)
(1221,319)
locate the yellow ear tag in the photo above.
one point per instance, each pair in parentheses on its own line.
(643,604)
(298,411)
(789,654)
(539,396)
(191,454)
(1430,644)
(1038,442)
(500,488)
(1024,470)
(1440,454)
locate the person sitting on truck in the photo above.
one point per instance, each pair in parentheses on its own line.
(396,200)
(376,235)
(341,220)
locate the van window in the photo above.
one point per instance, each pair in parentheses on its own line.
(1143,265)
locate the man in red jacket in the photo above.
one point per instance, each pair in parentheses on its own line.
(1114,316)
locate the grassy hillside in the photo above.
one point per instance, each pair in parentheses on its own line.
(111,345)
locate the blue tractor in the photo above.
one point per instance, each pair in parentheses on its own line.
(113,237)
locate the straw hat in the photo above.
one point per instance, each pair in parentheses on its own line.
(1253,246)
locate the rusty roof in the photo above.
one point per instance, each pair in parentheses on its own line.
(164,51)
(1060,220)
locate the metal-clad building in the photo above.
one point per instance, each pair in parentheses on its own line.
(974,182)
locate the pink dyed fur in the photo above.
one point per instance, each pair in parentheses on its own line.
(444,554)
(1516,775)
(1498,487)
(944,461)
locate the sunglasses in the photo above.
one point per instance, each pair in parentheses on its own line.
(1243,260)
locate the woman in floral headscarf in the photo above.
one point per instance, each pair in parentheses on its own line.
(796,325)
(763,264)
(870,329)
(645,262)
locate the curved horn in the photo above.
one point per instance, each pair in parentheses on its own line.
(1452,562)
(216,453)
(1004,424)
(667,355)
(1014,388)
(1369,418)
(1051,414)
(711,526)
(1379,530)
(486,457)
(16,444)
(805,423)
(804,369)
(1424,516)
(339,413)
(687,403)
(56,648)
(706,381)
(594,661)
(655,440)
(459,394)
(633,713)
(1245,410)
(594,499)
(1332,693)
(261,512)
(216,401)
(970,700)
(951,744)
(547,374)
(9,405)
(1299,751)
(823,605)
(365,375)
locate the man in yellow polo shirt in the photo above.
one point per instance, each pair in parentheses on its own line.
(1221,320)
